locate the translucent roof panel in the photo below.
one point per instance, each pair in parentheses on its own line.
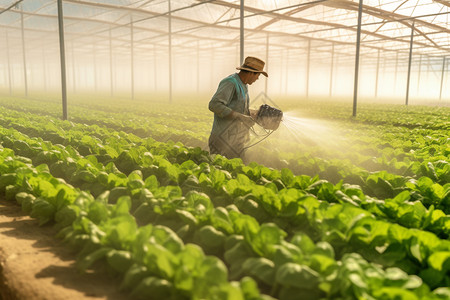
(334,21)
(144,29)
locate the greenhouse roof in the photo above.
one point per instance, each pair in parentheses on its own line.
(310,47)
(288,24)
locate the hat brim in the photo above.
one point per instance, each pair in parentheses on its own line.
(252,70)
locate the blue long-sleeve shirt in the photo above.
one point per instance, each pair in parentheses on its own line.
(231,95)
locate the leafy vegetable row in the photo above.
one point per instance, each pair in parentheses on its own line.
(168,174)
(156,263)
(405,157)
(153,260)
(411,214)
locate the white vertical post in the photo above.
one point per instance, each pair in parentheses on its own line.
(155,69)
(198,66)
(44,65)
(308,57)
(9,63)
(281,71)
(377,75)
(170,52)
(331,70)
(287,73)
(74,82)
(409,63)
(132,55)
(5,74)
(395,73)
(211,68)
(267,62)
(111,79)
(238,59)
(418,75)
(94,65)
(241,30)
(358,45)
(63,59)
(25,76)
(442,78)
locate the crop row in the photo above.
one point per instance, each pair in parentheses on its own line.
(189,174)
(154,260)
(407,159)
(404,153)
(106,148)
(380,184)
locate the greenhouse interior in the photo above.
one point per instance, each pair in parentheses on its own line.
(225,149)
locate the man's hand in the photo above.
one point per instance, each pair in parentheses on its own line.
(247,120)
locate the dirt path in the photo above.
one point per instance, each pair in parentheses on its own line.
(34,265)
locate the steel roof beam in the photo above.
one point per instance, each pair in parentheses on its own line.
(344,4)
(277,17)
(383,14)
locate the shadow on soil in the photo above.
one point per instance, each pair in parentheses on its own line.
(91,284)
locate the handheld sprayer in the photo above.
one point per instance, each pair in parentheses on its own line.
(269,118)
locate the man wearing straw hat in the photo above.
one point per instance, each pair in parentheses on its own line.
(232,116)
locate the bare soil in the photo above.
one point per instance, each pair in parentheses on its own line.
(35,265)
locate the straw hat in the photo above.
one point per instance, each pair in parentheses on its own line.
(253,64)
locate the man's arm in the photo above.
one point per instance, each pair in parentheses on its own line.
(222,98)
(247,120)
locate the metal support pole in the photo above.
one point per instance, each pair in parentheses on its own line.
(155,69)
(238,59)
(63,59)
(9,63)
(377,75)
(418,75)
(287,73)
(281,71)
(308,56)
(331,70)
(409,63)
(94,65)
(198,66)
(241,30)
(24,53)
(5,75)
(111,79)
(44,64)
(267,62)
(442,78)
(395,73)
(358,44)
(74,79)
(211,68)
(170,52)
(132,53)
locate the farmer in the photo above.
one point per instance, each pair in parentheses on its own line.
(230,105)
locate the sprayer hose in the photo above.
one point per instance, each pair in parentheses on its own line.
(258,141)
